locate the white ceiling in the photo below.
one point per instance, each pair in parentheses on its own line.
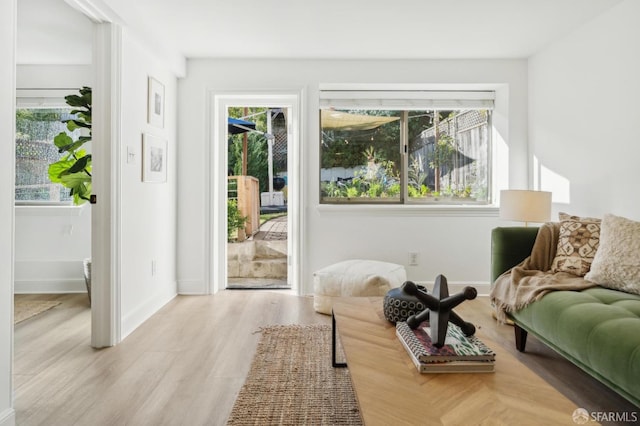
(357,29)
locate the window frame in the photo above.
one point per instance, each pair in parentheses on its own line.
(405,101)
(42,98)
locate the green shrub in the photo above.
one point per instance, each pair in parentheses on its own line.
(235,220)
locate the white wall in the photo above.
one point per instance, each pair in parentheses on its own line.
(456,246)
(148,221)
(7,154)
(51,242)
(584,109)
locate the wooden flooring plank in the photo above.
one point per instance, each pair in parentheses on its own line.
(187,363)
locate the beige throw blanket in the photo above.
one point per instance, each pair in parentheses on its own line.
(532,278)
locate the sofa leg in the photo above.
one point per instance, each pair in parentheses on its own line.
(521,337)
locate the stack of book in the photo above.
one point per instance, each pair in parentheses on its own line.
(459,354)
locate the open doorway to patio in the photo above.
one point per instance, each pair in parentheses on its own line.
(257,197)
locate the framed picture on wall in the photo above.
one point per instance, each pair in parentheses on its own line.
(155,108)
(154,159)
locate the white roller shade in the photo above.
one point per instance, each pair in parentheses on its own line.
(408,100)
(42,98)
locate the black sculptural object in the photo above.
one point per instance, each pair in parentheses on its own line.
(440,309)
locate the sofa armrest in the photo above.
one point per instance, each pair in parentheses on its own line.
(509,247)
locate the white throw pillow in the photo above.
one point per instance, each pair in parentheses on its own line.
(356,277)
(616,264)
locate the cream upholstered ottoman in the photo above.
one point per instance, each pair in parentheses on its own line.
(354,278)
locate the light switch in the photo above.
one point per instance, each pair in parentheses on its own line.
(131,155)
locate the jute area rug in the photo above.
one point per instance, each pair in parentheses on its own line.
(25,309)
(291,381)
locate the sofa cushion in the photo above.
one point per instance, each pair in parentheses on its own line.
(617,263)
(577,244)
(598,329)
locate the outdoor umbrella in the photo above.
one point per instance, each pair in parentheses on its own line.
(237,126)
(338,120)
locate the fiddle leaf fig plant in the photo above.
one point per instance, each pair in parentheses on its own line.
(73,170)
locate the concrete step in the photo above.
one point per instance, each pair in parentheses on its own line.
(250,250)
(257,259)
(270,249)
(257,268)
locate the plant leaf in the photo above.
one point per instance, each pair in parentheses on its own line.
(62,140)
(77,124)
(75,181)
(71,148)
(77,101)
(57,169)
(80,165)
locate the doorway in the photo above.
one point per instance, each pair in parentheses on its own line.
(257,220)
(255,191)
(98,50)
(52,236)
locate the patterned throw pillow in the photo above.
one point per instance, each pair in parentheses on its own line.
(577,244)
(617,263)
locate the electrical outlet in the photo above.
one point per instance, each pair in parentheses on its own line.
(68,230)
(413,258)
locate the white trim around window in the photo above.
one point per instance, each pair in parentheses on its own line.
(409,99)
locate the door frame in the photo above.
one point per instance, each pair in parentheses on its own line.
(106,213)
(216,180)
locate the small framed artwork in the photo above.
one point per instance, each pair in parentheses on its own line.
(155,109)
(154,159)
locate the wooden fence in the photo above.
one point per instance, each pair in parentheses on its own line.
(246,190)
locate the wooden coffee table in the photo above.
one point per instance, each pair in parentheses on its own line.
(390,390)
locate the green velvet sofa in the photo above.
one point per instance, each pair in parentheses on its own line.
(597,329)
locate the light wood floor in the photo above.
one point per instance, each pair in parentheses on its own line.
(186,364)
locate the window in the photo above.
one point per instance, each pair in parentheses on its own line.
(38,121)
(405,147)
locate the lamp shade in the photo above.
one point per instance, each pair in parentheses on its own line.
(525,206)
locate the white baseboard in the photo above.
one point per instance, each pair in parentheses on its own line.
(50,286)
(8,417)
(49,276)
(132,320)
(191,287)
(195,287)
